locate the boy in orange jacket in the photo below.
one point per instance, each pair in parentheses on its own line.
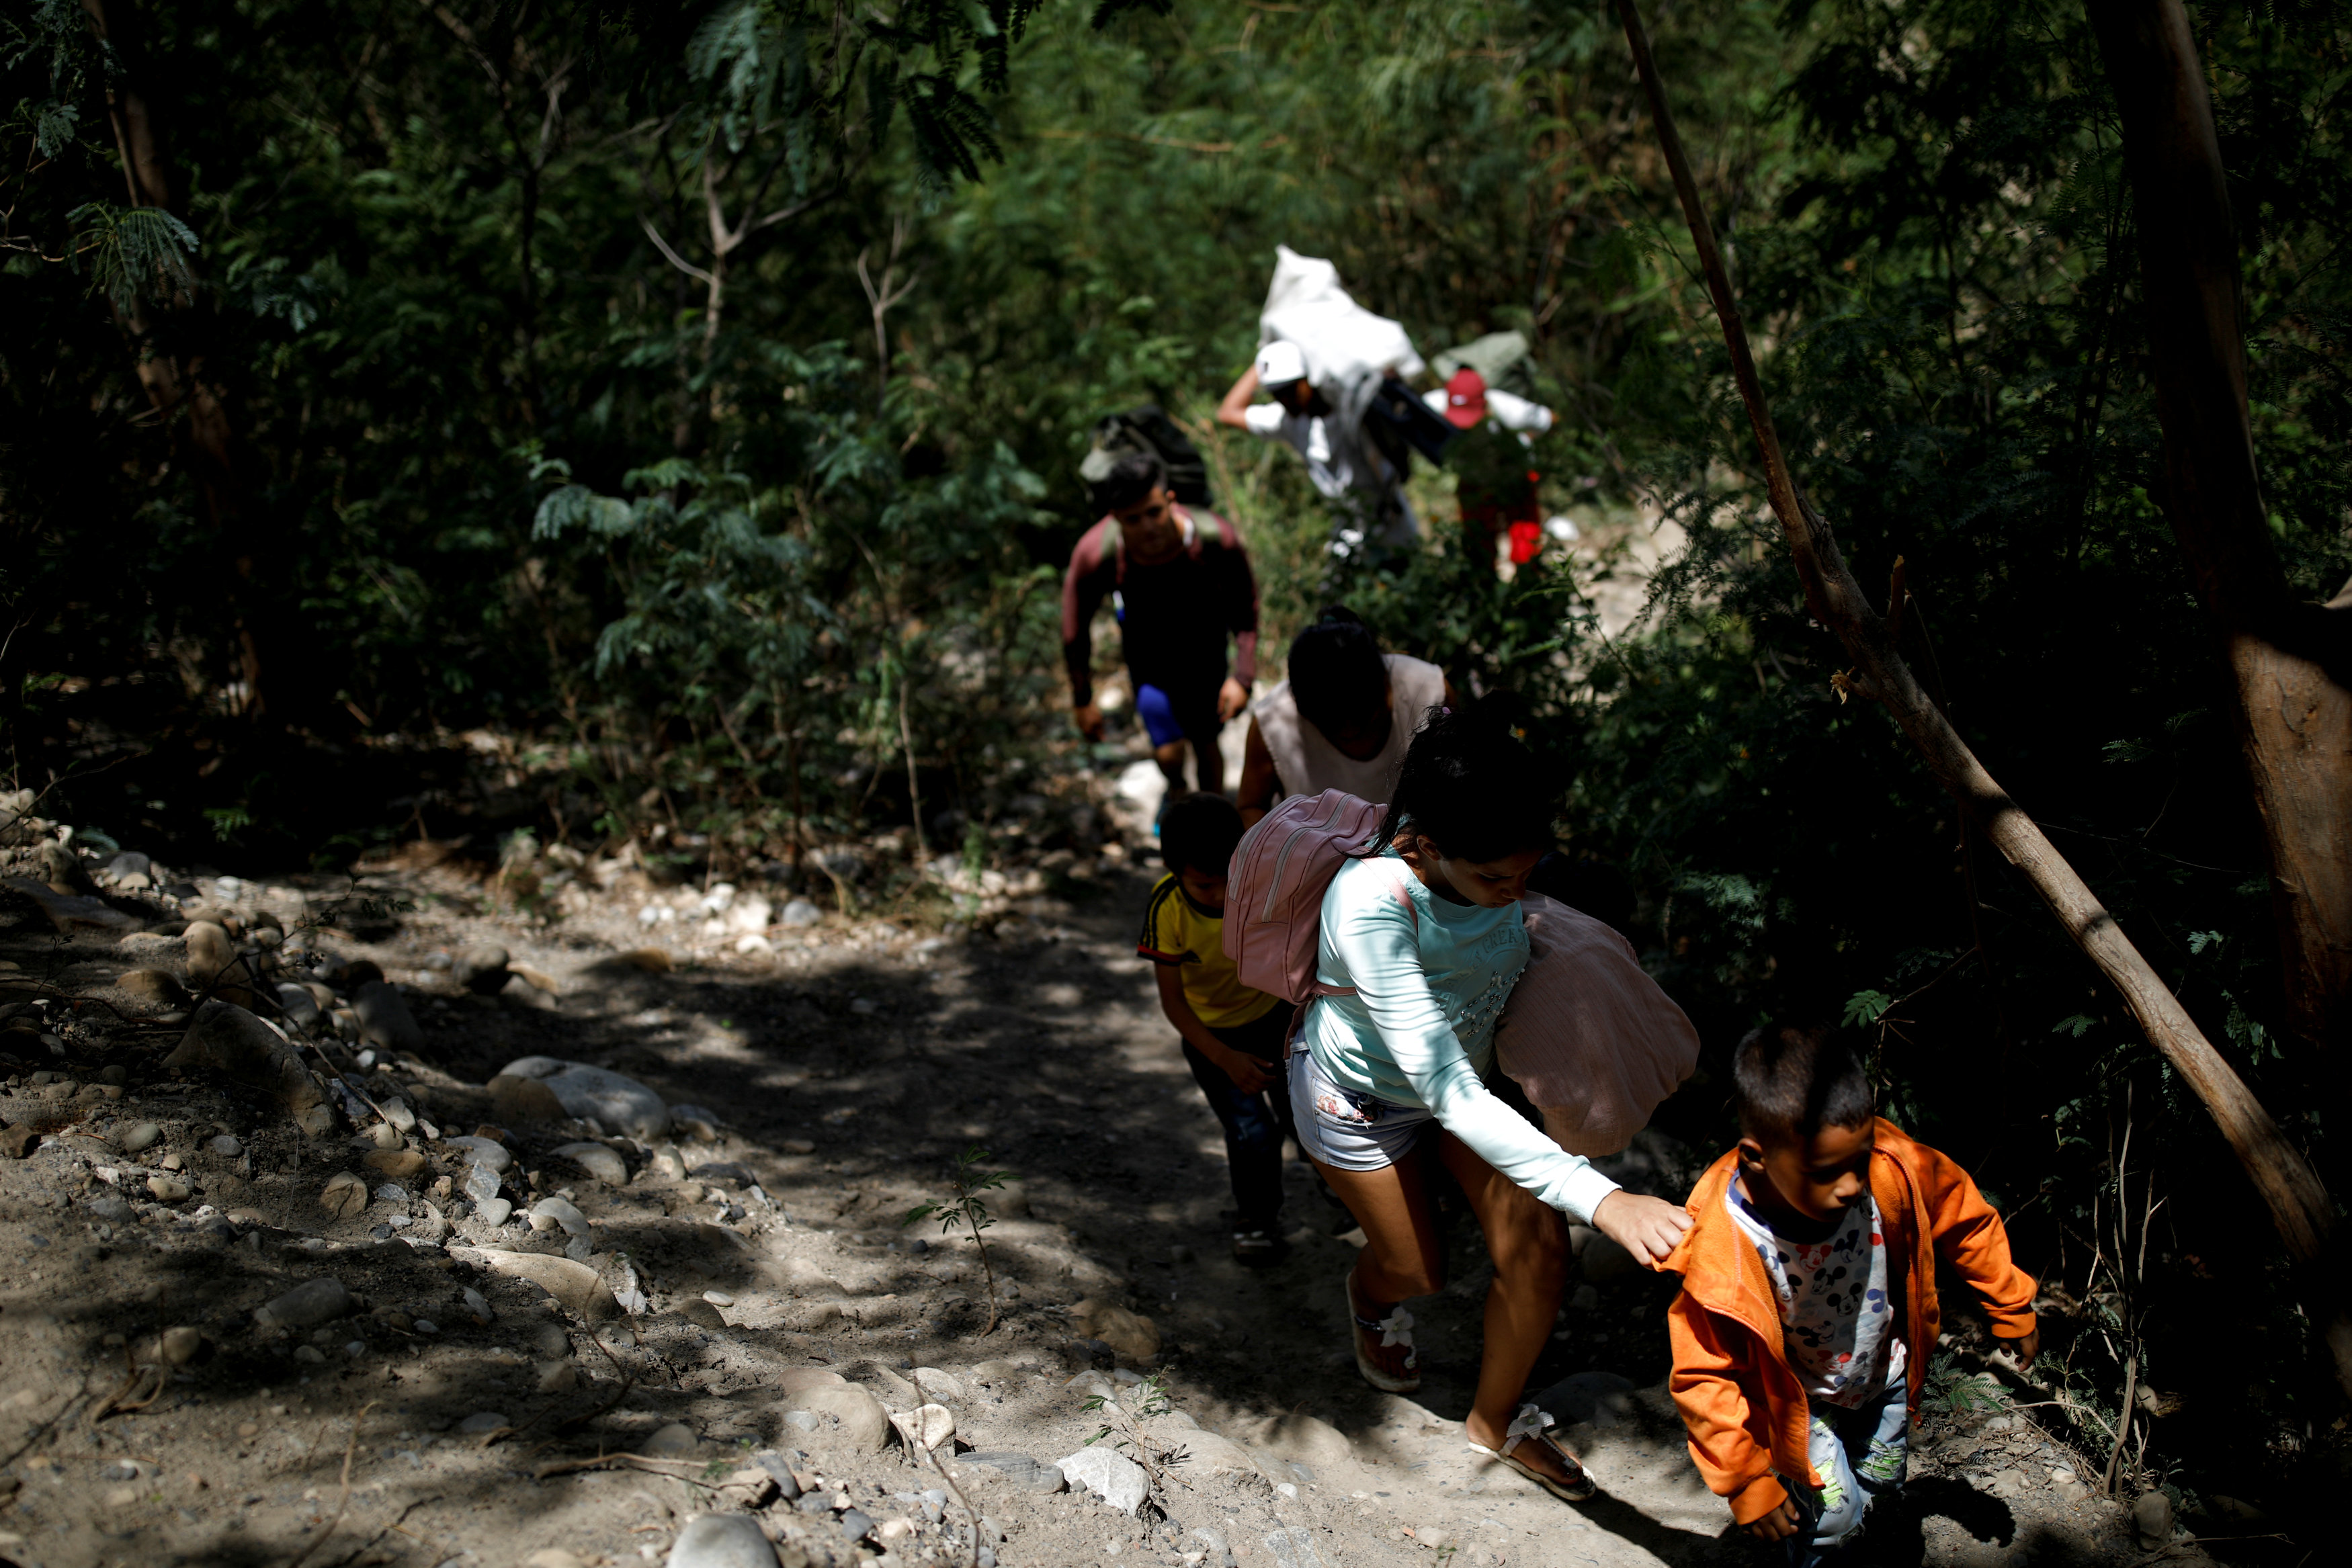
(1808,1312)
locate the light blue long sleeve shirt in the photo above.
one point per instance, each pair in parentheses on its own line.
(1420,1029)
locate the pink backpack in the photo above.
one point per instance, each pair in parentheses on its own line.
(1273,890)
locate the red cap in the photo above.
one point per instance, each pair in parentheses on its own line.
(1466,398)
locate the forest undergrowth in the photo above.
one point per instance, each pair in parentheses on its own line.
(539,434)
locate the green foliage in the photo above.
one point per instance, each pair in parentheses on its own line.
(665,386)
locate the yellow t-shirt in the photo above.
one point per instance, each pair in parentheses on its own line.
(1179,931)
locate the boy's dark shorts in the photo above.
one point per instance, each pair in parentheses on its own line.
(1261,1037)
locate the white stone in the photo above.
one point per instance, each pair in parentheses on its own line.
(1116,1479)
(487,1153)
(721,1541)
(612,1099)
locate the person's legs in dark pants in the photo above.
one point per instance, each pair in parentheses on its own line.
(1255,1123)
(1253,1142)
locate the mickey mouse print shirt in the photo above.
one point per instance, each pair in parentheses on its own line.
(1837,1328)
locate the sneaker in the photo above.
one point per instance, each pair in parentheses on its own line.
(1259,1249)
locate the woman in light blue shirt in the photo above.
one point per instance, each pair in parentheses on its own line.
(1427,936)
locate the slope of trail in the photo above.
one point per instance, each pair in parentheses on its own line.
(841,1075)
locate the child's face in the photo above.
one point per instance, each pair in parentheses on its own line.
(1816,1179)
(1206,889)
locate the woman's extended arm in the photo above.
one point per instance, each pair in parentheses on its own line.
(1377,941)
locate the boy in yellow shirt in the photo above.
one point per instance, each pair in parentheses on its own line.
(1232,1034)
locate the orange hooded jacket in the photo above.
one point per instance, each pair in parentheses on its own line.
(1743,1405)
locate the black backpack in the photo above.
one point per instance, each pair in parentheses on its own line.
(1146,429)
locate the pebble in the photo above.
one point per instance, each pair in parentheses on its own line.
(426,1325)
(865,1425)
(493,1210)
(299,1004)
(800,912)
(159,988)
(574,1284)
(394,1163)
(482,1421)
(307,1305)
(674,1441)
(172,1162)
(614,1099)
(550,1212)
(167,1189)
(721,1541)
(487,1153)
(1116,1479)
(181,1344)
(938,1385)
(854,1525)
(479,1305)
(385,1019)
(400,1114)
(344,1194)
(598,1161)
(228,1147)
(112,1209)
(142,1135)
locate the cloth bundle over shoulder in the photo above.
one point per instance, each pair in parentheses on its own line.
(1588,1037)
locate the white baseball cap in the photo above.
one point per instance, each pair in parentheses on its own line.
(1279,363)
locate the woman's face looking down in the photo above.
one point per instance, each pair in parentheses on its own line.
(1485,884)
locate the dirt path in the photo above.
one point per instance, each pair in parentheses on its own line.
(842,1075)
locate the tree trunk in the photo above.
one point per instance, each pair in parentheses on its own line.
(2299,1206)
(2287,658)
(168,341)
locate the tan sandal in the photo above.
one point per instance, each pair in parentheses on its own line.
(1531,1424)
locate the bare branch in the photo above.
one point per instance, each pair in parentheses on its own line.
(676,260)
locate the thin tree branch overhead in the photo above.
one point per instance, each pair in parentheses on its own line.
(2299,1206)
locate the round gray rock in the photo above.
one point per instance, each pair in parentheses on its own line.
(385,1019)
(598,1161)
(722,1540)
(617,1101)
(307,1305)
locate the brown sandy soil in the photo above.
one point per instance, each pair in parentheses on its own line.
(148,1417)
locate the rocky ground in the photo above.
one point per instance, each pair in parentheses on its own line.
(535,1256)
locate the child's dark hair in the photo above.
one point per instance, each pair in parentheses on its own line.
(1199,832)
(1336,675)
(1133,478)
(1790,1081)
(1472,786)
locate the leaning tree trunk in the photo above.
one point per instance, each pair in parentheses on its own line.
(167,336)
(2299,1206)
(2287,658)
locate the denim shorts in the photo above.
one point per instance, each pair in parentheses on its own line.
(1346,1128)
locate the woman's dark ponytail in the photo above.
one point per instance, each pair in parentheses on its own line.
(1471,786)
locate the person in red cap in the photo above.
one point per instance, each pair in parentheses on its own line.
(1494,472)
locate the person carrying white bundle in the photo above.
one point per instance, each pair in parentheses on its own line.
(1322,358)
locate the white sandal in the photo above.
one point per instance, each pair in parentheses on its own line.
(1532,1423)
(1395,1330)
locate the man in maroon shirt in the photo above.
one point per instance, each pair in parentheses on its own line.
(1181,581)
